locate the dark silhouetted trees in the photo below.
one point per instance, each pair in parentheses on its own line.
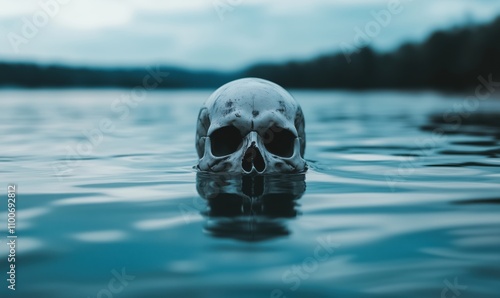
(450,60)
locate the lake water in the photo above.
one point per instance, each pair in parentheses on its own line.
(390,206)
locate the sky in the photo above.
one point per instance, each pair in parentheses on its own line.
(218,34)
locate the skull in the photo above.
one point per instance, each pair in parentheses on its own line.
(251,126)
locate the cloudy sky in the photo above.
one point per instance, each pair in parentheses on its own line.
(221,34)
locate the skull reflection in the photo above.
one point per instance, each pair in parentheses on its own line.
(250,208)
(251,126)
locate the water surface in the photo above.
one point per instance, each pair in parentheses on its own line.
(402,199)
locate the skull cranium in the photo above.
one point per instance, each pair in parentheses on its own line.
(251,126)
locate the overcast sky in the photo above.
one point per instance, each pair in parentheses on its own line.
(221,34)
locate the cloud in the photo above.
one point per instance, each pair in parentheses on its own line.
(94,14)
(16,8)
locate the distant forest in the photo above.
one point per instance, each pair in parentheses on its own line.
(447,60)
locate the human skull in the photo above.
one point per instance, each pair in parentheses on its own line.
(251,126)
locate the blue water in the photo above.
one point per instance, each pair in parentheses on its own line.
(402,199)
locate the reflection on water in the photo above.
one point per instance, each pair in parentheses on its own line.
(249,208)
(485,125)
(471,124)
(411,213)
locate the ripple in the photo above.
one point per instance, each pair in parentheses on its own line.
(476,143)
(363,157)
(477,241)
(24,245)
(465,164)
(100,236)
(185,267)
(127,184)
(494,201)
(489,153)
(87,200)
(368,148)
(165,223)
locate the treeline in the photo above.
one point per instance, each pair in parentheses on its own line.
(447,60)
(36,76)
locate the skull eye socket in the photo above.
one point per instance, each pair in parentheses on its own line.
(225,140)
(279,141)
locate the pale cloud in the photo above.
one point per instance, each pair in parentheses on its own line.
(94,14)
(452,9)
(169,6)
(16,8)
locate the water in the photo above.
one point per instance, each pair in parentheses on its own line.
(389,206)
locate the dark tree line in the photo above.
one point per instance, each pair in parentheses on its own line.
(450,60)
(35,76)
(447,60)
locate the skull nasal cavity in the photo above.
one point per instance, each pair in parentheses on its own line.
(253,157)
